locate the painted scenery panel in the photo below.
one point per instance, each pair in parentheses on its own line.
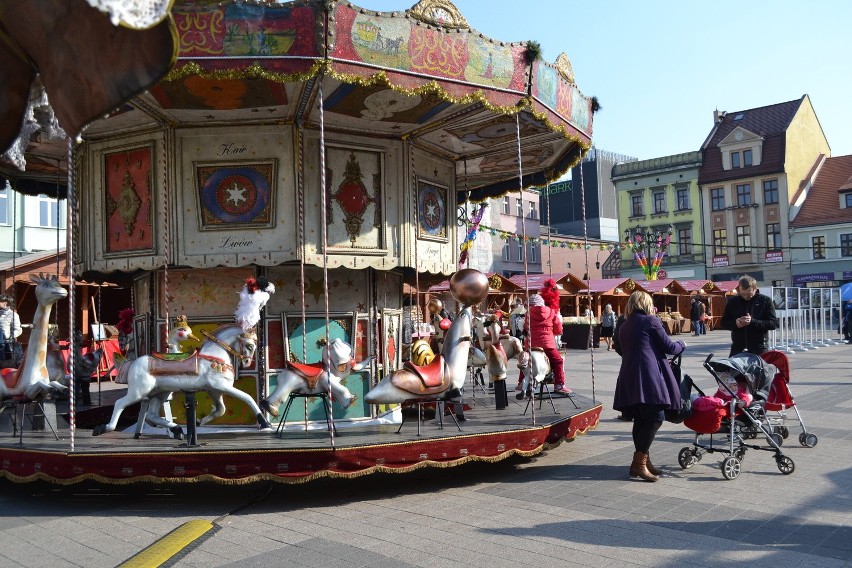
(128,200)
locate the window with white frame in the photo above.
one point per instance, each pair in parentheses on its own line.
(735,160)
(520,249)
(717,198)
(847,199)
(720,242)
(770,191)
(773,236)
(4,205)
(533,253)
(818,247)
(846,244)
(659,201)
(744,194)
(637,205)
(532,212)
(519,204)
(744,239)
(684,240)
(683,199)
(48,211)
(506,256)
(506,209)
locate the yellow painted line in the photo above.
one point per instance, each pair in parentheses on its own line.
(168,546)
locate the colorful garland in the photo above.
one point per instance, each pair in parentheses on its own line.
(506,235)
(467,244)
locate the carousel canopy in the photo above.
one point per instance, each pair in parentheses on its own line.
(422,75)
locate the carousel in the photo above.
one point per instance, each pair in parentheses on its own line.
(269,178)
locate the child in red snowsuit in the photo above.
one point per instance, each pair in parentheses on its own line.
(543,323)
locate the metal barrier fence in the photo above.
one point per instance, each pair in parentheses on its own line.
(808,318)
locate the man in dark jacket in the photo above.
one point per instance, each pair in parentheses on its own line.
(695,316)
(750,316)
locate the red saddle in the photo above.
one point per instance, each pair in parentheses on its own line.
(310,372)
(426,380)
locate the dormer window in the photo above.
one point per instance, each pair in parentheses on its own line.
(741,159)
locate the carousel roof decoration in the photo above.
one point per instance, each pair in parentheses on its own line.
(421,75)
(42,43)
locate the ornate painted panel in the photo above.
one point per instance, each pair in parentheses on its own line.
(129,201)
(354,198)
(432,210)
(236,195)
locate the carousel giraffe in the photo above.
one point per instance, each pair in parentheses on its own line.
(32,377)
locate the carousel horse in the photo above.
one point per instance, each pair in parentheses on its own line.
(32,377)
(535,364)
(180,333)
(208,369)
(500,352)
(445,375)
(315,378)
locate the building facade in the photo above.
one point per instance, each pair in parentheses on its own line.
(564,207)
(509,233)
(29,223)
(657,196)
(821,226)
(753,162)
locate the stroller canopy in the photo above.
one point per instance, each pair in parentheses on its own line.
(757,372)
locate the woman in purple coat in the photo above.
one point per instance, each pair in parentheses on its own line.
(646,385)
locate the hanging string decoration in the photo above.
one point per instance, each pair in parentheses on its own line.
(649,249)
(467,244)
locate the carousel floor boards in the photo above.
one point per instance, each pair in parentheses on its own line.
(299,456)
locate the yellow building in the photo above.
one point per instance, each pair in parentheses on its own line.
(754,161)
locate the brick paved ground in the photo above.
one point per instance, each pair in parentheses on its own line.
(571,506)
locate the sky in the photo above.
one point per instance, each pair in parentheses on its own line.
(660,68)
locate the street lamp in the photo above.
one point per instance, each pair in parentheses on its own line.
(648,246)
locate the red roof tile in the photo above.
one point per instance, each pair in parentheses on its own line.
(821,205)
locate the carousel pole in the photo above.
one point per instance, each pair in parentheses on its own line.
(72,207)
(526,265)
(324,221)
(588,280)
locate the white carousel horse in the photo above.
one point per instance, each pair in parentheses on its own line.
(445,375)
(499,353)
(209,370)
(337,364)
(179,334)
(536,367)
(32,377)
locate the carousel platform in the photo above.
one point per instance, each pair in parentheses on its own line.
(245,455)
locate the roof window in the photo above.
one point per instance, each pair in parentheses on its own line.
(739,116)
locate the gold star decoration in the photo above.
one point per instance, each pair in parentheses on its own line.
(315,289)
(206,293)
(292,300)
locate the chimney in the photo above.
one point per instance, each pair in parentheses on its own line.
(718,115)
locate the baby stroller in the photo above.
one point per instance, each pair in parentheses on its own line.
(736,414)
(780,399)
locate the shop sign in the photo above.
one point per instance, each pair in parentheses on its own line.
(774,256)
(720,261)
(799,279)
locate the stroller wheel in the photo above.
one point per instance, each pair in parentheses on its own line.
(687,458)
(785,464)
(784,431)
(776,438)
(739,453)
(731,467)
(808,440)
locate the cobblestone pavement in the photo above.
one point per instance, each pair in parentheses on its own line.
(573,505)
